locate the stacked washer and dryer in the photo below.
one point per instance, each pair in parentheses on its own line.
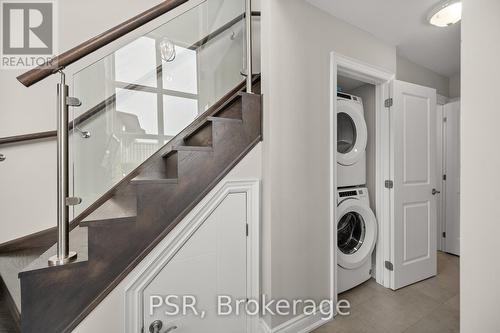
(356,223)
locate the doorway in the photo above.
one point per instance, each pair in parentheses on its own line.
(375,83)
(401,172)
(448,146)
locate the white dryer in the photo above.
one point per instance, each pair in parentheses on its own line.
(356,237)
(352,136)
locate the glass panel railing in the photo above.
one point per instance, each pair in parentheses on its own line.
(139,97)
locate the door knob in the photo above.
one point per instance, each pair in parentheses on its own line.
(155,326)
(2,157)
(434,191)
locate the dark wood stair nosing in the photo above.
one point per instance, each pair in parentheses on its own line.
(96,223)
(224,119)
(193,148)
(152,180)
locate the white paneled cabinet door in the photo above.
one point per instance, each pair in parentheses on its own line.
(213,262)
(413,155)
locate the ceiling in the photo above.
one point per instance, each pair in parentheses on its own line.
(403,23)
(347,84)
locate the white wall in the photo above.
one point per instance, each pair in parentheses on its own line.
(455,86)
(480,211)
(109,315)
(410,72)
(296,87)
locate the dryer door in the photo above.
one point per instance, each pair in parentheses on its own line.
(356,233)
(352,134)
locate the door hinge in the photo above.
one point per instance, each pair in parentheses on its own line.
(389,184)
(388,102)
(444,177)
(246,228)
(389,265)
(444,234)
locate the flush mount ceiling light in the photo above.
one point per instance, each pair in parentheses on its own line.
(446,13)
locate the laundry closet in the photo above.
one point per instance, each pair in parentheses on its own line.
(388,189)
(357,229)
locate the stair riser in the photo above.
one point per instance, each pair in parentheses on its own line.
(201,137)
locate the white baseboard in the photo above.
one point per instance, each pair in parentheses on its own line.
(299,324)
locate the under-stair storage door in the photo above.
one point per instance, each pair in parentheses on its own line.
(414,215)
(213,262)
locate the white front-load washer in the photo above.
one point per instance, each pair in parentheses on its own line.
(356,237)
(352,136)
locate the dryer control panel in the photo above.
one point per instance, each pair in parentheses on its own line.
(360,193)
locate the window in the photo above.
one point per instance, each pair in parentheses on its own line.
(155,99)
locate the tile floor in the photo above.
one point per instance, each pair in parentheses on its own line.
(430,306)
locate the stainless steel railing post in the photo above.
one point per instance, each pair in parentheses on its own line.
(248,22)
(63,255)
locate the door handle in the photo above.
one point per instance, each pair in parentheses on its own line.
(2,157)
(434,191)
(157,325)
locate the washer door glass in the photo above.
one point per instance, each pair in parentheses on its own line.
(346,133)
(351,230)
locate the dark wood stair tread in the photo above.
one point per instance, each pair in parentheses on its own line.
(175,149)
(95,223)
(193,148)
(153,180)
(120,208)
(78,240)
(223,119)
(192,132)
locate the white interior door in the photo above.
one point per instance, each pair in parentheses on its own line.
(440,185)
(212,263)
(413,150)
(452,183)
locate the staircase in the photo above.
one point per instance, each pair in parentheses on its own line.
(122,227)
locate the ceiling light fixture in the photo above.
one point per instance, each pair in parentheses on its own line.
(446,13)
